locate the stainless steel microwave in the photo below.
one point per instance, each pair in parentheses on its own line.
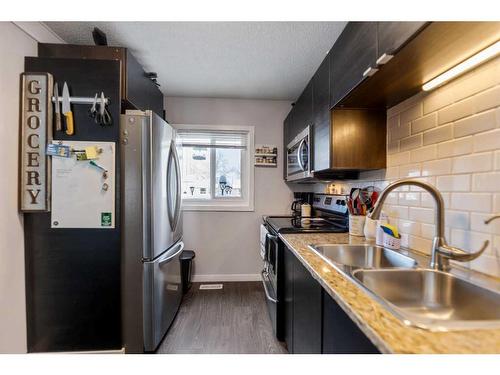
(298,160)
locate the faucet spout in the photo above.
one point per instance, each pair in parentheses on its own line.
(441,251)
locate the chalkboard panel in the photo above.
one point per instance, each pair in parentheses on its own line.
(73,275)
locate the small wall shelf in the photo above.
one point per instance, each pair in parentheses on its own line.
(266,156)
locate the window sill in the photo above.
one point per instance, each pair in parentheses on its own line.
(217,207)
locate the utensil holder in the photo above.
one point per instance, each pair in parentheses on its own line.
(391,242)
(357,225)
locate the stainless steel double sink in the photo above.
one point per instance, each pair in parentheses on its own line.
(425,298)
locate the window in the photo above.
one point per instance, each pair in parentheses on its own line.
(216,169)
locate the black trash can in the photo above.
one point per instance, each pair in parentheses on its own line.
(186,259)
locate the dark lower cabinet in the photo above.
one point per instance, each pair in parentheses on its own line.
(314,322)
(306,311)
(288,262)
(340,334)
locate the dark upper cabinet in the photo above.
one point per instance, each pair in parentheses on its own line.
(340,334)
(393,35)
(321,116)
(137,90)
(141,92)
(307,311)
(303,111)
(354,52)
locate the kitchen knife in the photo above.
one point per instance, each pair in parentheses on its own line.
(57,106)
(66,109)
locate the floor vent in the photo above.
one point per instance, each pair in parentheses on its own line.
(210,286)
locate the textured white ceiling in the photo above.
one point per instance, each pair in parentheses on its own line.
(263,60)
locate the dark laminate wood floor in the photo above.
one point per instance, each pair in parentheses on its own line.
(232,320)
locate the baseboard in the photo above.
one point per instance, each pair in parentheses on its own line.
(226,277)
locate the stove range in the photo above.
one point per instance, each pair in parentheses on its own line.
(330,216)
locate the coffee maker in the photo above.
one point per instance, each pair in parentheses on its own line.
(299,199)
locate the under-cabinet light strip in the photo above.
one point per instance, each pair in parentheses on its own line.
(464,66)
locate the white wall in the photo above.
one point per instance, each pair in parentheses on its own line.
(227,243)
(14,45)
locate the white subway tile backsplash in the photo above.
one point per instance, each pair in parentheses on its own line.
(450,138)
(423,154)
(457,219)
(409,227)
(423,215)
(440,134)
(399,132)
(474,124)
(411,113)
(478,202)
(428,231)
(487,99)
(392,122)
(409,170)
(487,141)
(455,148)
(410,143)
(436,167)
(477,223)
(420,244)
(459,182)
(473,163)
(409,199)
(486,182)
(424,123)
(392,147)
(437,99)
(456,111)
(400,158)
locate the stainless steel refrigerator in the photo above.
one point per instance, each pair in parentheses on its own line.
(151,227)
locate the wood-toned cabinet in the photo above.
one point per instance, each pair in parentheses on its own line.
(354,52)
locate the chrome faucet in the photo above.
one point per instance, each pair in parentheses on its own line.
(441,252)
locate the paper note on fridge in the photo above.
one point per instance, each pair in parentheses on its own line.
(83,196)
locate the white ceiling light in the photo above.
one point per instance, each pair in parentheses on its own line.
(464,66)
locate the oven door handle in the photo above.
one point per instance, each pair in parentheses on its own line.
(272,237)
(266,291)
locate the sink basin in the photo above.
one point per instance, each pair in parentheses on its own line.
(431,299)
(363,256)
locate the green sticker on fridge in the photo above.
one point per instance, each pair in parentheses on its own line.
(106,219)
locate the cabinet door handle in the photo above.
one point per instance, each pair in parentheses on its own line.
(370,71)
(384,58)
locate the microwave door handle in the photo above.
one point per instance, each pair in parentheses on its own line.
(299,152)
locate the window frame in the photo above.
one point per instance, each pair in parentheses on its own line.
(244,203)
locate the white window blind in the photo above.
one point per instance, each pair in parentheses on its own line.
(213,139)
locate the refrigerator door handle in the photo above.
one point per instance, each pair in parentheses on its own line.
(168,257)
(178,201)
(174,208)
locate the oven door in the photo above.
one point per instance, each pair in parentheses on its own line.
(299,157)
(270,279)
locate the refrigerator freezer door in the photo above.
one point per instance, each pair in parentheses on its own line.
(162,295)
(161,148)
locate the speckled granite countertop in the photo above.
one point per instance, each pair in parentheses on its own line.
(384,330)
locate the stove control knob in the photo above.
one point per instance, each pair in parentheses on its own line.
(342,203)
